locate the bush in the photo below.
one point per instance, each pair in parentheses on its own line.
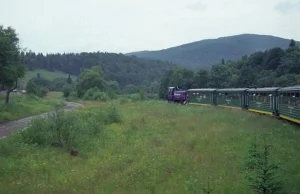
(37,132)
(57,129)
(95,94)
(123,101)
(113,115)
(67,90)
(43,92)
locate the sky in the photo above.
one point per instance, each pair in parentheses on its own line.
(122,26)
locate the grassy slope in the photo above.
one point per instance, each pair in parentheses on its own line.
(45,74)
(156,149)
(24,105)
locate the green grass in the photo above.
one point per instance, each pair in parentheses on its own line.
(44,74)
(156,148)
(26,105)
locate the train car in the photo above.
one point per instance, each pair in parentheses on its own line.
(203,96)
(231,97)
(288,103)
(262,100)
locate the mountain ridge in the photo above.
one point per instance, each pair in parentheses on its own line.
(204,53)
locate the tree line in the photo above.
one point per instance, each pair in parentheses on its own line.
(275,67)
(116,67)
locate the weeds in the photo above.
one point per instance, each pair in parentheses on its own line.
(119,153)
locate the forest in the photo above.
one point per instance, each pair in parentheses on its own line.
(275,67)
(116,67)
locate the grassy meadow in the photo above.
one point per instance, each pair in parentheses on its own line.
(144,147)
(24,105)
(44,74)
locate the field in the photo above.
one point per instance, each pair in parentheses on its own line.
(145,147)
(26,105)
(44,74)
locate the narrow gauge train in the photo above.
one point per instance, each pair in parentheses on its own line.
(275,101)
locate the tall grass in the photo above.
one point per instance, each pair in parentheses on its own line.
(26,105)
(146,147)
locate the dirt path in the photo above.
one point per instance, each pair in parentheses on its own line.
(11,126)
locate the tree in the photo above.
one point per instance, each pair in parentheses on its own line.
(219,76)
(200,79)
(32,88)
(273,58)
(292,43)
(223,61)
(69,80)
(90,78)
(256,59)
(287,80)
(261,172)
(11,69)
(290,62)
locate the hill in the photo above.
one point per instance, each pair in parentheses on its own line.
(44,74)
(116,67)
(207,52)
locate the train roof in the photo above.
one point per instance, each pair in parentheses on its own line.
(232,90)
(290,88)
(202,90)
(270,89)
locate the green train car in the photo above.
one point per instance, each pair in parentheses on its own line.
(288,103)
(205,96)
(275,101)
(231,97)
(262,100)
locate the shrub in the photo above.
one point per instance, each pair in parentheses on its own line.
(43,92)
(57,129)
(67,90)
(32,88)
(142,94)
(123,101)
(95,94)
(113,115)
(100,96)
(37,132)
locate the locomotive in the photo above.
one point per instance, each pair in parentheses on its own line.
(280,102)
(178,95)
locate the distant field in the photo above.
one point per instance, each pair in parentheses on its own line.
(45,74)
(156,148)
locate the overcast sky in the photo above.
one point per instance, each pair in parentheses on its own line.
(131,25)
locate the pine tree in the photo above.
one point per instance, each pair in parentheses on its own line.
(69,80)
(261,172)
(292,43)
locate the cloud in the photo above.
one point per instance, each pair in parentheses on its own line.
(288,6)
(197,6)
